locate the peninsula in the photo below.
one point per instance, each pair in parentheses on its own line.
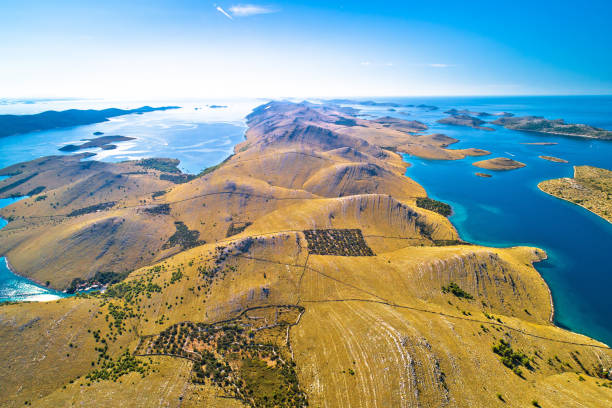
(304,270)
(591,188)
(16,124)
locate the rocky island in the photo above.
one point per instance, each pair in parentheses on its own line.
(591,188)
(539,124)
(499,164)
(304,270)
(553,159)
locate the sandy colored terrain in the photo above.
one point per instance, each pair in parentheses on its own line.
(590,188)
(553,159)
(261,304)
(499,164)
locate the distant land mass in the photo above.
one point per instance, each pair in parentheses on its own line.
(464,120)
(473,113)
(540,124)
(380,104)
(16,124)
(466,112)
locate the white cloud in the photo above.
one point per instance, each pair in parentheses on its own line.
(376,64)
(440,65)
(225,13)
(246,10)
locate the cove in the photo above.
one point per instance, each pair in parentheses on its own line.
(509,210)
(15,288)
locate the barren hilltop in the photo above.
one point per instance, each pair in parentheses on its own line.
(304,269)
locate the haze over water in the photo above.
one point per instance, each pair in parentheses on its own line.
(505,210)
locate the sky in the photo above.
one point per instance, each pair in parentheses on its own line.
(226,49)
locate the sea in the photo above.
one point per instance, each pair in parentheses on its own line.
(505,210)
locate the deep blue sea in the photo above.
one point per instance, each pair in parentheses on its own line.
(505,210)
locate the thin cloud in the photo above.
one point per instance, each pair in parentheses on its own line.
(246,10)
(376,64)
(440,65)
(225,13)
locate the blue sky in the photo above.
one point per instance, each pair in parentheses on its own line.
(188,48)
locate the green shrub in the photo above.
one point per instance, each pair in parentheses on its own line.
(456,290)
(434,205)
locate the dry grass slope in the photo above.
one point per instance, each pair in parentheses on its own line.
(266,309)
(590,188)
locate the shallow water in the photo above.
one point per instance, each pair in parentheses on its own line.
(16,288)
(196,134)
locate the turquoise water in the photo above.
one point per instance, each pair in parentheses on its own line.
(16,288)
(508,209)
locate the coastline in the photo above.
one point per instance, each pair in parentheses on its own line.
(571,202)
(550,296)
(49,292)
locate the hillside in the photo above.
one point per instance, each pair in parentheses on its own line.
(304,269)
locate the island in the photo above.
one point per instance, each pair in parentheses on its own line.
(499,164)
(591,188)
(426,107)
(364,103)
(454,112)
(553,159)
(540,124)
(410,126)
(379,104)
(306,269)
(485,175)
(103,142)
(16,124)
(465,120)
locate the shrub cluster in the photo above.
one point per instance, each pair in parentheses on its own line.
(343,242)
(456,290)
(434,205)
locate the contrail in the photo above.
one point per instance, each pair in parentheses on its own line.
(225,13)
